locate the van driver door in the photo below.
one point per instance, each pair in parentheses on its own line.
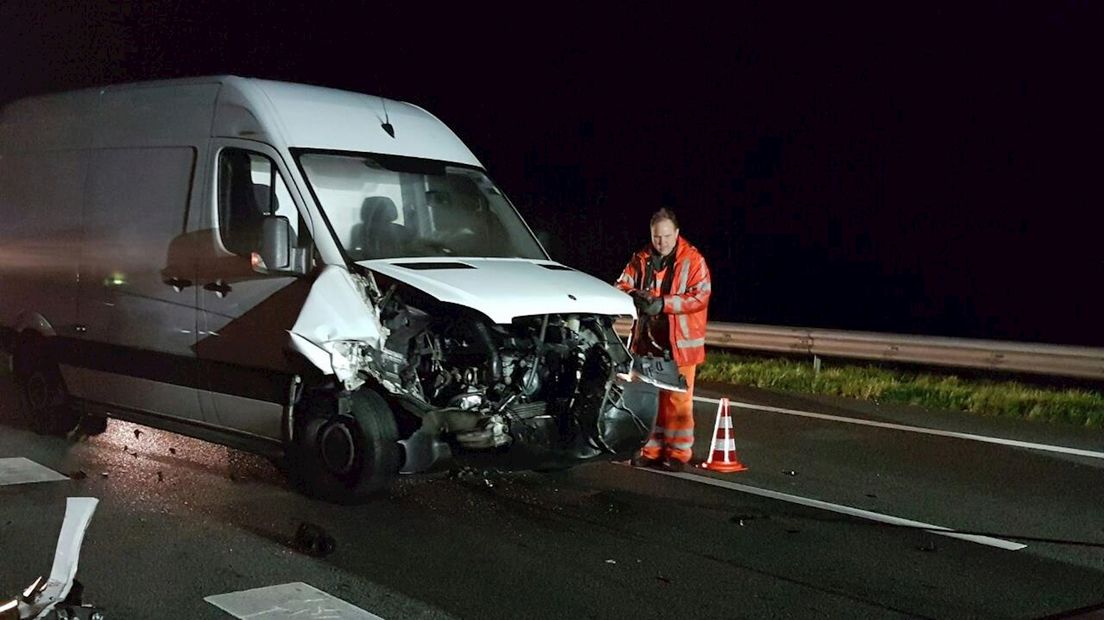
(244,316)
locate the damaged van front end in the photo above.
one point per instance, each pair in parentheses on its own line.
(529,390)
(449,334)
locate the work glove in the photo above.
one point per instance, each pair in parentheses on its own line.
(646,303)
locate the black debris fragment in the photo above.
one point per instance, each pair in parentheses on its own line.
(663,580)
(137,432)
(743,518)
(78,475)
(313,540)
(160,477)
(486,477)
(462,473)
(172,450)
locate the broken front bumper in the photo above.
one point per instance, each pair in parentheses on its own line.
(613,423)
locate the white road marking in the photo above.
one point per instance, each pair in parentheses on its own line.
(19,470)
(912,429)
(290,600)
(846,510)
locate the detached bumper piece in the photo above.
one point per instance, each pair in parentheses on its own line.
(662,373)
(604,418)
(59,596)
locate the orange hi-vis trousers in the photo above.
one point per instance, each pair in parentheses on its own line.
(673,436)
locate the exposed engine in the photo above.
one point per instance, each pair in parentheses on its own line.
(543,384)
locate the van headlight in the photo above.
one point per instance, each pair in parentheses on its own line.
(346,357)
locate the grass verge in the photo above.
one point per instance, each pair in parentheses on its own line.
(1080,407)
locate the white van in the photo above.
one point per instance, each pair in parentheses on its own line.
(325,277)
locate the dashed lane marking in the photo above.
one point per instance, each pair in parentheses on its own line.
(290,600)
(846,510)
(912,429)
(19,470)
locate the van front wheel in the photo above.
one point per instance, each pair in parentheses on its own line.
(345,458)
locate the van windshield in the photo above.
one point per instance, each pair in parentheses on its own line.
(383,206)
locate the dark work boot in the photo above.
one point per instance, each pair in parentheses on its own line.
(642,461)
(674,466)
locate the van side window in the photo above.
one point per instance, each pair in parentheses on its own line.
(250,187)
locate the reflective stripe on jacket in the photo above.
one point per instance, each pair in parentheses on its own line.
(686,306)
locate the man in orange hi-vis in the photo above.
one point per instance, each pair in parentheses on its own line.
(669,282)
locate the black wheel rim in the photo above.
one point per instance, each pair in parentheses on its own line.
(38,391)
(338,447)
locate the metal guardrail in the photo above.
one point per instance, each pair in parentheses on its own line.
(1043,359)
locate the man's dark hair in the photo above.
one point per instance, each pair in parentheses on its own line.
(664,214)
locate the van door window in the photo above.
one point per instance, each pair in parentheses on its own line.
(250,187)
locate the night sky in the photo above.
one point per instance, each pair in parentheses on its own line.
(918,169)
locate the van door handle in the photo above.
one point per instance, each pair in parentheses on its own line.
(178,284)
(218,287)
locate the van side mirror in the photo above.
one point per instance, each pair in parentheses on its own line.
(276,254)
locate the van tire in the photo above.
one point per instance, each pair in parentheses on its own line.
(345,458)
(45,397)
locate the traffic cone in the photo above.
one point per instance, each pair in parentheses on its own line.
(722,458)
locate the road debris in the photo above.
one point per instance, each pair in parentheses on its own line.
(313,540)
(743,519)
(486,476)
(59,595)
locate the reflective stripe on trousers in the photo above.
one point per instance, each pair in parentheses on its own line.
(673,436)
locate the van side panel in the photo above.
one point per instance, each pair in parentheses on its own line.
(138,348)
(41,195)
(139,327)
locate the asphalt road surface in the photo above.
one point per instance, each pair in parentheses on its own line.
(180,520)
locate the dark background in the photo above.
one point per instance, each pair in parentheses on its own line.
(913,168)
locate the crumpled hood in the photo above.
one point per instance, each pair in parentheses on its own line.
(505,288)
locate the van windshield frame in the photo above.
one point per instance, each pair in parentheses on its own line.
(379,206)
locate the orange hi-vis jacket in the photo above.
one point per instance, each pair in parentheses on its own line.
(686,305)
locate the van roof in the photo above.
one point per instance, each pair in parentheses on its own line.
(279,113)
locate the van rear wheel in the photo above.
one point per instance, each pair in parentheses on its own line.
(46,400)
(345,458)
